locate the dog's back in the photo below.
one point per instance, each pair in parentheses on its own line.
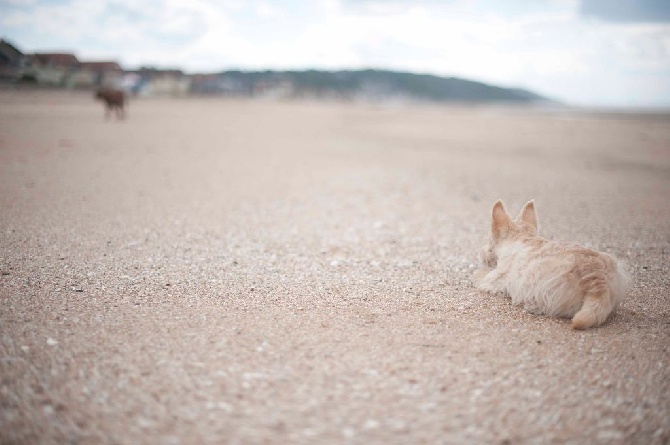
(111,97)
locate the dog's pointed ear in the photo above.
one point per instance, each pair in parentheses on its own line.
(501,220)
(529,216)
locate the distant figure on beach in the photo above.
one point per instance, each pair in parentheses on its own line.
(114,100)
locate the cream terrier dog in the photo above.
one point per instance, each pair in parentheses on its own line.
(548,277)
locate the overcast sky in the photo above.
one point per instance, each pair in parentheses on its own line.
(584,52)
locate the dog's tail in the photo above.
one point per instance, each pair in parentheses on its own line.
(602,297)
(594,311)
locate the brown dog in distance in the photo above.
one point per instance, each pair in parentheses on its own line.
(114,101)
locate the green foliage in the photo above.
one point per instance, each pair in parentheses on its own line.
(380,84)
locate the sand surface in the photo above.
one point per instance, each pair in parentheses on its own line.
(243,272)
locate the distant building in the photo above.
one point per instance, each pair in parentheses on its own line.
(55,60)
(221,84)
(11,61)
(106,66)
(49,68)
(206,83)
(159,82)
(99,73)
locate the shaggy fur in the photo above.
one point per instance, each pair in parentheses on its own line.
(548,277)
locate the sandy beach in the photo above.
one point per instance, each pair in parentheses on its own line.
(229,271)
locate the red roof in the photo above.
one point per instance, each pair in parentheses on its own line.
(60,60)
(101,66)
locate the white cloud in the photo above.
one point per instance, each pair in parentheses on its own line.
(265,10)
(18,2)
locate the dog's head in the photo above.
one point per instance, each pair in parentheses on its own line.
(504,228)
